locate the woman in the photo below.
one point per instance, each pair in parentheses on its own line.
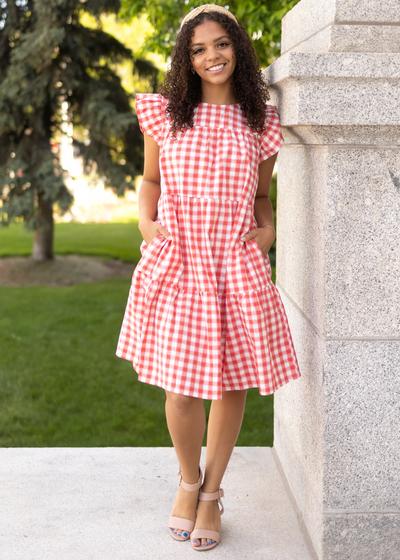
(203,319)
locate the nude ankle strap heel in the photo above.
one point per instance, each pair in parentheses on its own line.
(211,496)
(179,522)
(198,534)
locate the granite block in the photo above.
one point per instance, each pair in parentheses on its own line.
(351,135)
(338,268)
(297,25)
(298,438)
(361,426)
(367,11)
(362,296)
(336,89)
(301,229)
(338,238)
(353,38)
(361,537)
(334,65)
(309,17)
(343,65)
(348,102)
(318,67)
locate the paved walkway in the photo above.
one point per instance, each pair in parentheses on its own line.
(113,504)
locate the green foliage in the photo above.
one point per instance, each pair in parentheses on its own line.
(53,71)
(261,19)
(144,72)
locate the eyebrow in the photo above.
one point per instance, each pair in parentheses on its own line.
(215,40)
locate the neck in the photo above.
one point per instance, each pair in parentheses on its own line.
(217,94)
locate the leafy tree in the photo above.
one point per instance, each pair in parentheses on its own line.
(145,71)
(54,69)
(261,19)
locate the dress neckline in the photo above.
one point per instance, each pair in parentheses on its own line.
(219,105)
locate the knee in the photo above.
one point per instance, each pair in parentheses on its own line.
(181,404)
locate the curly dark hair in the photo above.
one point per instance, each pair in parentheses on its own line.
(182,88)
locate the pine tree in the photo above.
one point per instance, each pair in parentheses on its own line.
(49,60)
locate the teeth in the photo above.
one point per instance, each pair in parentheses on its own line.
(217,67)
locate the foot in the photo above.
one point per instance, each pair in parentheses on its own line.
(208,517)
(185,506)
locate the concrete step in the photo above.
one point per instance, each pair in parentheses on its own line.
(114,503)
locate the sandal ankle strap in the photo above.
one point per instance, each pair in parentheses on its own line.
(191,487)
(211,496)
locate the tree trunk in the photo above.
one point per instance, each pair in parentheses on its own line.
(43,240)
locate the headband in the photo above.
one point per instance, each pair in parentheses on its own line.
(205,8)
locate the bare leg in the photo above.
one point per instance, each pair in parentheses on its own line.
(186,420)
(224,426)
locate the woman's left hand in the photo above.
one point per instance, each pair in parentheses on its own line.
(264,237)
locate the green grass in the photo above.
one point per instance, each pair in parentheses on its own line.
(112,240)
(60,381)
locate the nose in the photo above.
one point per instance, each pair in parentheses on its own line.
(213,53)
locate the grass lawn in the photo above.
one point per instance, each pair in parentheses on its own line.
(60,382)
(112,240)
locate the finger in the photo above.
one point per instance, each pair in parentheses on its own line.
(161,229)
(251,235)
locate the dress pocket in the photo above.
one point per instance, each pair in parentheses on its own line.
(255,265)
(266,265)
(145,246)
(153,255)
(257,248)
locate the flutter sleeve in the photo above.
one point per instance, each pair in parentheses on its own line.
(150,111)
(271,140)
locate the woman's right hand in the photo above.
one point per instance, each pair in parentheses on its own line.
(150,230)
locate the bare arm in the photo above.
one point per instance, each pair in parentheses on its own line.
(263,211)
(149,192)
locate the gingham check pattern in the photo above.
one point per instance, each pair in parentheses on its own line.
(203,315)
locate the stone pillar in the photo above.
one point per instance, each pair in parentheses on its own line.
(337,436)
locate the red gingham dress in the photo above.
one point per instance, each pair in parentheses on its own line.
(203,315)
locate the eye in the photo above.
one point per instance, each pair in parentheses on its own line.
(197,51)
(223,44)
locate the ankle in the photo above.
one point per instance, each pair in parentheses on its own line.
(190,481)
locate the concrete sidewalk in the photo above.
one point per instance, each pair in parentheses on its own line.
(114,503)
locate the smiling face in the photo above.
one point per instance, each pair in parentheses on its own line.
(212,54)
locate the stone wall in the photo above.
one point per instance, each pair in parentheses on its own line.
(337,87)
